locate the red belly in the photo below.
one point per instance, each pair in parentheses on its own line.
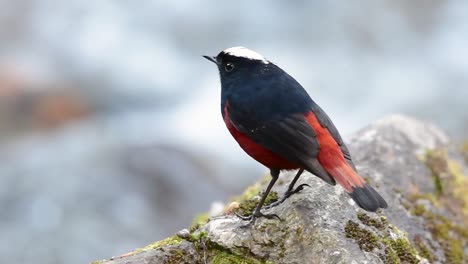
(259,153)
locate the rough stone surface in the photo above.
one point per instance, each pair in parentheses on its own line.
(323,225)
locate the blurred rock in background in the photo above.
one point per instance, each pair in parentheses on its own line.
(27,105)
(110,122)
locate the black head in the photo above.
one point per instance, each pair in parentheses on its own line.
(240,63)
(247,79)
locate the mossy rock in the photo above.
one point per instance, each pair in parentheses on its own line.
(377,235)
(450,198)
(424,221)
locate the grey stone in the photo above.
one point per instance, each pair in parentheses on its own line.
(314,223)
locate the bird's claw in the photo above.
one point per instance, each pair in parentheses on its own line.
(286,195)
(298,189)
(254,216)
(245,218)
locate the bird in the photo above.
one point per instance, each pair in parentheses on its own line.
(276,122)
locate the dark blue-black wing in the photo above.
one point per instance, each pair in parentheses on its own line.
(290,137)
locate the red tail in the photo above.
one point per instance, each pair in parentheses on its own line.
(332,160)
(344,175)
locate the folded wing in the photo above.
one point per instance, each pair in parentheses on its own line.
(290,137)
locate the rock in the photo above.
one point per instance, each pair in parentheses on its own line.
(412,165)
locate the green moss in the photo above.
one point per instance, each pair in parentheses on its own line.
(175,256)
(436,161)
(369,221)
(424,250)
(393,244)
(224,257)
(247,206)
(449,235)
(422,196)
(199,220)
(249,193)
(462,231)
(390,256)
(406,205)
(450,183)
(271,198)
(384,220)
(418,210)
(197,236)
(458,186)
(173,240)
(398,248)
(405,251)
(216,254)
(464,150)
(453,248)
(366,240)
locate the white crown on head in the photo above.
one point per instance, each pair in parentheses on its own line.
(243,52)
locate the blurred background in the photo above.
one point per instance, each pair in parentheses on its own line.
(110,128)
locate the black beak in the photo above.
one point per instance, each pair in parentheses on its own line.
(211,58)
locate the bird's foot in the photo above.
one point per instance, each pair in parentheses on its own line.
(286,195)
(298,189)
(255,215)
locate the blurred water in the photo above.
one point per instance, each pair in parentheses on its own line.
(151,149)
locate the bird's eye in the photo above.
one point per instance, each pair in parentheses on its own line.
(229,66)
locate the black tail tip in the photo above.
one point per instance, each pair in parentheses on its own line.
(367,198)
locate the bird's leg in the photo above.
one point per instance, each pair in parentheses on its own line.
(290,190)
(256,213)
(299,188)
